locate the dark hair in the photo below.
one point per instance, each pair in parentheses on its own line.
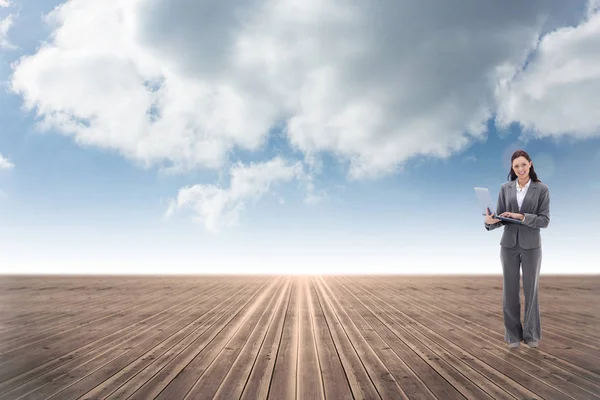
(532,174)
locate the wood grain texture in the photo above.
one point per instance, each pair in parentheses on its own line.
(291,337)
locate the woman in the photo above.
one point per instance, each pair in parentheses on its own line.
(527,199)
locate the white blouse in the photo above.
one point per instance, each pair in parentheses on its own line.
(521,192)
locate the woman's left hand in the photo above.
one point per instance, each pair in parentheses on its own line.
(507,214)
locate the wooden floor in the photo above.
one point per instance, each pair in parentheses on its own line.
(280,337)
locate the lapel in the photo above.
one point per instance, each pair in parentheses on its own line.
(526,201)
(525,207)
(512,193)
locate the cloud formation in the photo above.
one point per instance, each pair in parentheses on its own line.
(181,86)
(557,93)
(169,83)
(5,25)
(218,208)
(5,163)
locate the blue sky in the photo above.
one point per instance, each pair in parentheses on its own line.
(339,170)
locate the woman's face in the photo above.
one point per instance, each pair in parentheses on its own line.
(521,167)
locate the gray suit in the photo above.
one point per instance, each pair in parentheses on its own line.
(521,246)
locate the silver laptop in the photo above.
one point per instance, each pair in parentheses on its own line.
(485,202)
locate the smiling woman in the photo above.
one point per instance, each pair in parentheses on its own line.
(526,198)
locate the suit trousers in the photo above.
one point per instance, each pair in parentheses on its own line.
(513,258)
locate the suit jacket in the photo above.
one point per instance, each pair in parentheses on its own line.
(535,207)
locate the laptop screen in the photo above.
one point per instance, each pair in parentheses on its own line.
(484,199)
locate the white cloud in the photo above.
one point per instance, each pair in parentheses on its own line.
(593,7)
(181,85)
(4,3)
(314,196)
(106,89)
(5,163)
(5,25)
(167,82)
(218,208)
(557,93)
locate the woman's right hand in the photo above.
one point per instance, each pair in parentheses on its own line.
(489,219)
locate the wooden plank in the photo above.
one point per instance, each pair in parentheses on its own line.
(526,357)
(113,308)
(584,333)
(335,381)
(555,367)
(80,336)
(283,379)
(495,328)
(125,370)
(174,381)
(259,347)
(477,321)
(77,380)
(406,384)
(443,380)
(258,384)
(42,374)
(163,366)
(501,358)
(209,374)
(310,384)
(90,292)
(16,337)
(63,289)
(359,379)
(488,379)
(330,336)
